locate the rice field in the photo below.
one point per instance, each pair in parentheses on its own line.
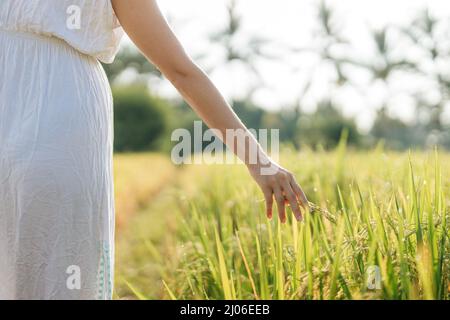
(135,185)
(379,229)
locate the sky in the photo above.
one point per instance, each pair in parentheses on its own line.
(291,23)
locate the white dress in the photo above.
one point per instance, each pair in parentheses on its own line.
(56,143)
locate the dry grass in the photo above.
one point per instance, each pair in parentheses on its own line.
(138,177)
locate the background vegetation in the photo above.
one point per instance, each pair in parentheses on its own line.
(199,231)
(205,235)
(426,36)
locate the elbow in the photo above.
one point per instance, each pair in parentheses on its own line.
(180,75)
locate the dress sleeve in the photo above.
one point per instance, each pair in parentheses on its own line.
(100,32)
(90,26)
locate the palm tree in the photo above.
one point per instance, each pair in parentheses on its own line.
(328,38)
(331,36)
(247,55)
(385,62)
(430,35)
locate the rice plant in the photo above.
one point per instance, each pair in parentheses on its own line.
(371,212)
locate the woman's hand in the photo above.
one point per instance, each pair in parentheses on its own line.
(148,29)
(280,184)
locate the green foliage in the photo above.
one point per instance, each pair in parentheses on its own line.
(325,127)
(372,209)
(425,34)
(250,114)
(140,119)
(129,58)
(395,133)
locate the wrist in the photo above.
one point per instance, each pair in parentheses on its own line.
(262,161)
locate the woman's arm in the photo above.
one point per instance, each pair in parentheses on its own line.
(148,29)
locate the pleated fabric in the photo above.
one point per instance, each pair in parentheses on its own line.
(56,174)
(90,26)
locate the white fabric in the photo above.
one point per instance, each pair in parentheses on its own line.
(56,143)
(89,26)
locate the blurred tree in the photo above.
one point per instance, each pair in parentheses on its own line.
(246,52)
(384,62)
(292,119)
(286,121)
(140,119)
(328,45)
(426,33)
(331,42)
(130,58)
(395,133)
(325,127)
(249,113)
(430,36)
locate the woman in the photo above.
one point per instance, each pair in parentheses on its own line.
(56,186)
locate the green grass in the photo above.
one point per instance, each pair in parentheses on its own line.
(207,237)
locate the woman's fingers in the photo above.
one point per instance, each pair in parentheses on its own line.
(280,203)
(291,196)
(268,195)
(286,190)
(300,194)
